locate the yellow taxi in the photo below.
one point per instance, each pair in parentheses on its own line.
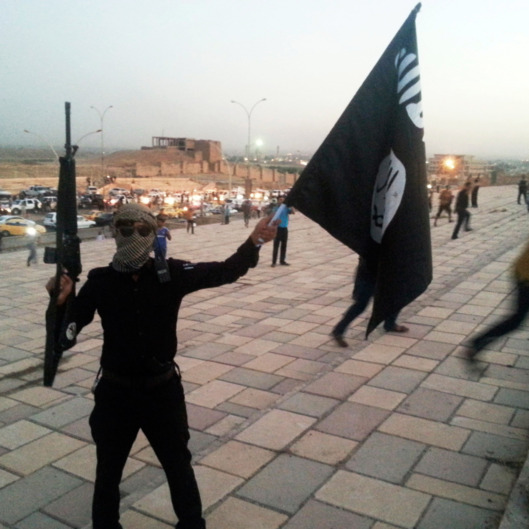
(20,226)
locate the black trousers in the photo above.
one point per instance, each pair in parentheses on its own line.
(463,217)
(118,415)
(510,323)
(280,245)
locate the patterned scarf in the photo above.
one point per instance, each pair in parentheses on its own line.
(133,252)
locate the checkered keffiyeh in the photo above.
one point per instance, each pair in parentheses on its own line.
(133,252)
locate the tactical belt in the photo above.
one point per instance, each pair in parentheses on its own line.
(138,382)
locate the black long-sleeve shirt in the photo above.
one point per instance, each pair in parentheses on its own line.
(139,317)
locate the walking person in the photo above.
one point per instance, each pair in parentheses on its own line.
(227,212)
(246,211)
(190,220)
(162,236)
(474,194)
(140,386)
(32,247)
(522,190)
(445,204)
(463,215)
(363,291)
(514,320)
(281,239)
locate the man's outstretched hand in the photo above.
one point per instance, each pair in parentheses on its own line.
(264,231)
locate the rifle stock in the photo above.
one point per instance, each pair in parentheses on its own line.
(66,256)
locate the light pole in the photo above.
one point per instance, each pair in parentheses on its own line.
(249,114)
(248,148)
(101,119)
(45,141)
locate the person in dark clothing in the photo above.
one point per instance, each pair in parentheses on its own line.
(363,291)
(474,194)
(445,202)
(463,215)
(522,190)
(140,385)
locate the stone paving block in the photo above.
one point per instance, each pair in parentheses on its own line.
(425,431)
(27,495)
(335,385)
(359,368)
(398,379)
(496,447)
(38,396)
(415,362)
(135,520)
(442,514)
(521,419)
(233,358)
(377,397)
(430,404)
(352,421)
(82,463)
(298,351)
(251,378)
(16,413)
(238,514)
(201,418)
(323,447)
(498,478)
(205,372)
(213,393)
(475,409)
(269,362)
(39,520)
(276,429)
(64,413)
(213,486)
(317,515)
(225,426)
(457,492)
(255,398)
(377,499)
(463,388)
(379,353)
(74,508)
(452,466)
(431,350)
(286,483)
(20,433)
(37,454)
(513,398)
(386,457)
(489,427)
(239,459)
(6,478)
(307,404)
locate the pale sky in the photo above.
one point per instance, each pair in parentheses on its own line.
(171,67)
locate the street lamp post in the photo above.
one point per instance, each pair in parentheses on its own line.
(249,115)
(101,119)
(45,141)
(248,146)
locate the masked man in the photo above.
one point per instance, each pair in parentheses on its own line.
(140,385)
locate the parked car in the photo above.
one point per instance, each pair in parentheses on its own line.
(50,221)
(19,226)
(25,204)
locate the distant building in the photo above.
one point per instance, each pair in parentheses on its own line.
(455,169)
(200,150)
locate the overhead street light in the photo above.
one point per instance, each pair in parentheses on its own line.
(102,119)
(249,115)
(45,141)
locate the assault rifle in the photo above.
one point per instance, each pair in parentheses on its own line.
(66,255)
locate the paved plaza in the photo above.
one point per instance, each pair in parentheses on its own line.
(288,430)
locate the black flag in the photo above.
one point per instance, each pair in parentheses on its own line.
(366,184)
